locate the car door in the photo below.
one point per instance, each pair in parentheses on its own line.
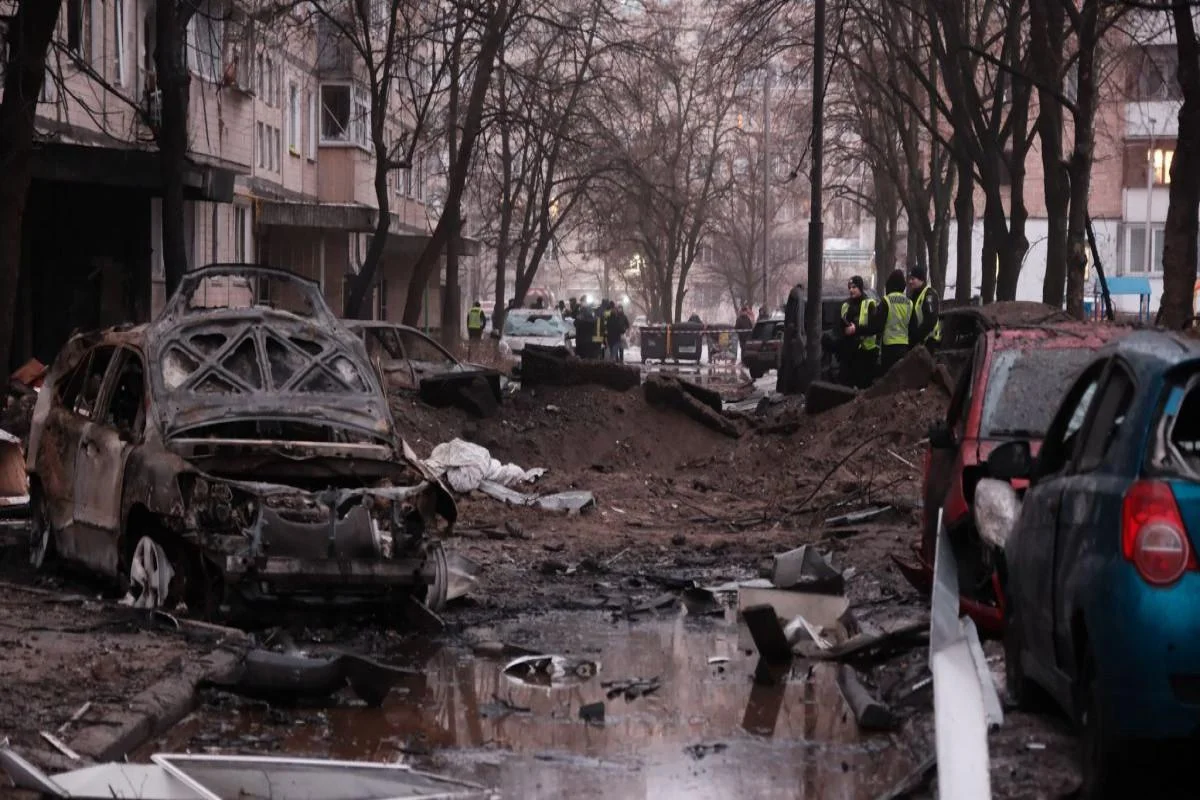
(104,446)
(385,350)
(1092,502)
(425,356)
(1031,561)
(944,460)
(69,415)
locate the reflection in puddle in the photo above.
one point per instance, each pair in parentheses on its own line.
(784,735)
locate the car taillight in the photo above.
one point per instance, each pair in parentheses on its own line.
(1153,535)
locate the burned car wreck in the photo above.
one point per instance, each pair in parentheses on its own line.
(238,448)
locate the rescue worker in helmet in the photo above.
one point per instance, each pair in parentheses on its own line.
(899,322)
(862,324)
(926,309)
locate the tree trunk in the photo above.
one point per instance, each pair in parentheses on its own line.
(1014,244)
(1179,246)
(30,30)
(506,197)
(964,216)
(1082,156)
(460,161)
(450,298)
(174,83)
(1046,23)
(989,255)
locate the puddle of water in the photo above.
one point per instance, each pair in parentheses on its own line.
(798,740)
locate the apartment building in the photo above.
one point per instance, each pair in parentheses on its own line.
(279,169)
(1136,128)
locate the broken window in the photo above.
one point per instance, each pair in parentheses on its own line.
(335,113)
(83,389)
(1110,413)
(244,292)
(420,348)
(79,27)
(1177,437)
(127,403)
(1059,448)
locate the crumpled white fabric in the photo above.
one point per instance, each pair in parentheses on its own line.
(466,466)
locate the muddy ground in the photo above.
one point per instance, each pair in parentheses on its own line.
(676,503)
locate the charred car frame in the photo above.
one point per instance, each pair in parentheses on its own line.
(238,448)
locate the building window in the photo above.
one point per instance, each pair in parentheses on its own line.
(312,126)
(1135,247)
(79,27)
(293,119)
(1139,157)
(205,37)
(261,142)
(408,182)
(362,118)
(345,114)
(272,83)
(1153,73)
(278,150)
(241,233)
(119,39)
(262,78)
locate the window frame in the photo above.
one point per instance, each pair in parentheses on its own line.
(293,118)
(1106,403)
(1056,436)
(314,126)
(119,51)
(116,365)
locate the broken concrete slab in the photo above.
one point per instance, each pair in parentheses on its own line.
(823,396)
(871,714)
(804,569)
(557,366)
(667,391)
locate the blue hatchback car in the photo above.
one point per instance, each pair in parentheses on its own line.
(1102,577)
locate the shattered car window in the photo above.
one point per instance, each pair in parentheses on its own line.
(1177,437)
(420,348)
(549,324)
(79,394)
(1025,387)
(251,291)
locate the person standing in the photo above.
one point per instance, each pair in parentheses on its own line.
(926,309)
(791,356)
(616,327)
(744,324)
(585,324)
(862,327)
(476,322)
(898,322)
(598,334)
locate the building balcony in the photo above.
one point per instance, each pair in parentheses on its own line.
(1152,119)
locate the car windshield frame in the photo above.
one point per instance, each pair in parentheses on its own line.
(247,288)
(1035,368)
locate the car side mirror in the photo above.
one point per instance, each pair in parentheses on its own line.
(941,437)
(1010,461)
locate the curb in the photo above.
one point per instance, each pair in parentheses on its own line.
(154,711)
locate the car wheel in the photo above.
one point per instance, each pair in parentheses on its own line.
(1102,760)
(41,535)
(150,576)
(438,571)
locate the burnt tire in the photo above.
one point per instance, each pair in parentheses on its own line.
(438,570)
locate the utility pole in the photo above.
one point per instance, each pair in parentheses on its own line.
(766,234)
(816,233)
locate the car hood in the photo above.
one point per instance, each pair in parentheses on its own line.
(264,366)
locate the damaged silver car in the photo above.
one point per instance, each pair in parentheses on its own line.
(238,448)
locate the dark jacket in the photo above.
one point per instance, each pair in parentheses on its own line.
(875,320)
(618,323)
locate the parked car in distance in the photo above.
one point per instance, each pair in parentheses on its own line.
(524,326)
(1008,390)
(406,357)
(237,449)
(1103,582)
(760,351)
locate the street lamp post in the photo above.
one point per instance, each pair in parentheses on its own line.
(816,234)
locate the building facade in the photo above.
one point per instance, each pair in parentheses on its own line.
(280,169)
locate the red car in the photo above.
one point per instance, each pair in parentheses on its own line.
(1008,390)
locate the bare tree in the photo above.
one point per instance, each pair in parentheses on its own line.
(670,118)
(27,34)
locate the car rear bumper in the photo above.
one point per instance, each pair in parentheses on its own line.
(1146,643)
(357,577)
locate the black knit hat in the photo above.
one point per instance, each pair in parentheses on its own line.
(918,272)
(858,281)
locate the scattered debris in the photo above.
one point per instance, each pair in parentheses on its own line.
(476,391)
(913,781)
(879,646)
(1035,746)
(718,660)
(871,714)
(573,502)
(699,751)
(793,628)
(702,405)
(467,466)
(769,639)
(14,483)
(78,715)
(856,517)
(804,569)
(822,610)
(701,602)
(501,708)
(548,671)
(58,745)
(557,366)
(592,713)
(632,688)
(902,459)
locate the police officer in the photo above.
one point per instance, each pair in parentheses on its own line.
(791,356)
(862,327)
(926,309)
(898,323)
(476,322)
